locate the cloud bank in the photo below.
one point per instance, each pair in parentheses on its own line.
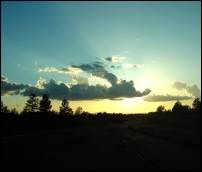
(98,70)
(8,88)
(84,91)
(167,97)
(193,90)
(81,90)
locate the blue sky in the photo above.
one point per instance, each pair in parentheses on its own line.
(163,37)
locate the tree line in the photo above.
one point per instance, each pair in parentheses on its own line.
(178,107)
(33,105)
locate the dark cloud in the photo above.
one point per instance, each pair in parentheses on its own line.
(126,89)
(193,90)
(97,69)
(54,90)
(8,88)
(115,67)
(115,58)
(108,59)
(167,97)
(110,77)
(83,91)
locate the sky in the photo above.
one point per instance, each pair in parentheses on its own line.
(124,57)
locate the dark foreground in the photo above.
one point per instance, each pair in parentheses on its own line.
(140,142)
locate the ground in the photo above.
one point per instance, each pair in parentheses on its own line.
(145,142)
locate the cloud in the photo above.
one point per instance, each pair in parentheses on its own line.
(98,70)
(80,80)
(129,65)
(71,70)
(167,97)
(40,83)
(83,91)
(179,85)
(115,58)
(3,78)
(126,89)
(115,67)
(8,88)
(53,89)
(48,69)
(193,90)
(96,66)
(65,70)
(80,89)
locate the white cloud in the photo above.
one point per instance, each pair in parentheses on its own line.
(71,70)
(115,58)
(80,80)
(65,70)
(48,69)
(41,83)
(118,58)
(93,80)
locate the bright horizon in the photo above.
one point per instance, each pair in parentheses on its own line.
(122,57)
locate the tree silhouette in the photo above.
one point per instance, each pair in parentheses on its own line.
(32,104)
(78,111)
(177,107)
(64,108)
(186,108)
(196,104)
(4,108)
(45,104)
(160,109)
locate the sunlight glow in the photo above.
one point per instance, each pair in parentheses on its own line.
(129,102)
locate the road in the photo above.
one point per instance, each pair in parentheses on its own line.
(163,150)
(97,148)
(105,147)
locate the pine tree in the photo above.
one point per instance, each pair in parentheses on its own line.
(197,105)
(32,104)
(45,104)
(4,109)
(64,108)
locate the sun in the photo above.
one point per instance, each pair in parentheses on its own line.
(128,102)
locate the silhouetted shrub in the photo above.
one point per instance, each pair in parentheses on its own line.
(78,111)
(177,107)
(160,109)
